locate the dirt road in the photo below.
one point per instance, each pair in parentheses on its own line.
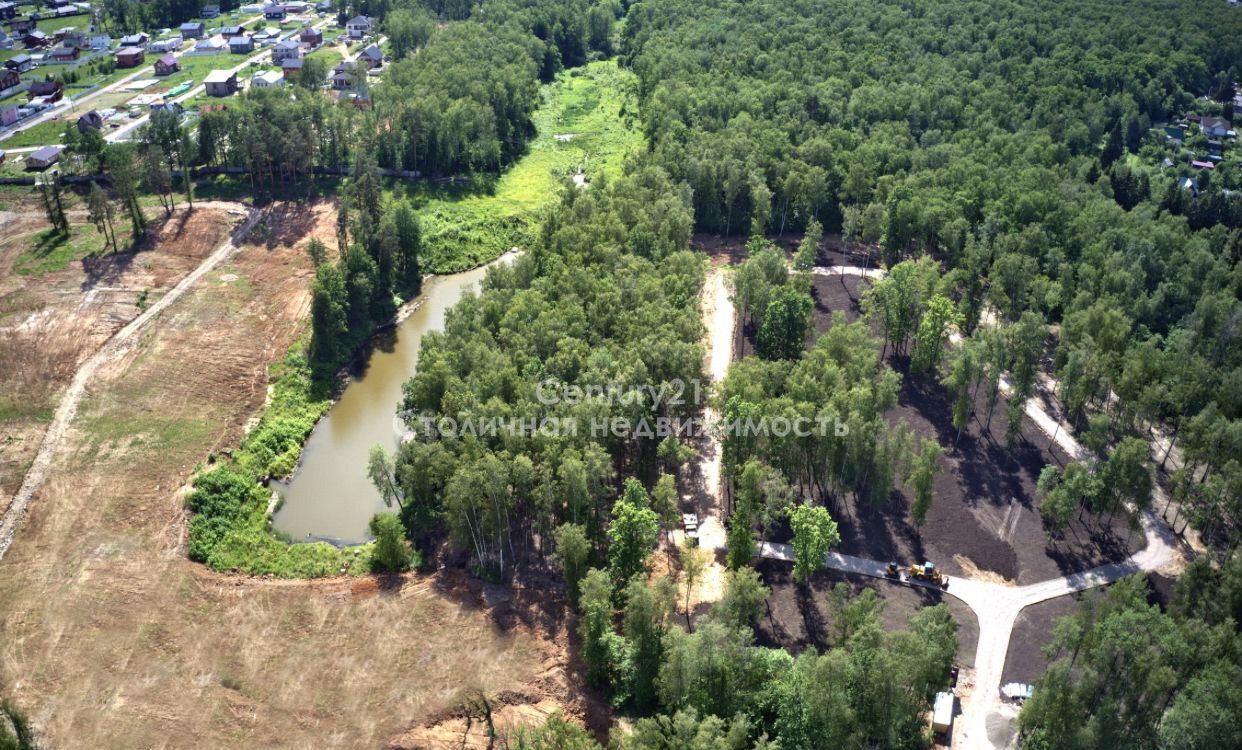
(719,319)
(112,350)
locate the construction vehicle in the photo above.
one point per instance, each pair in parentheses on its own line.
(892,571)
(930,573)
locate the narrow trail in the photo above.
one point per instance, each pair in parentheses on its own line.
(718,317)
(995,605)
(113,349)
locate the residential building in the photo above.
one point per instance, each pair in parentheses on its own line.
(209,47)
(9,114)
(166,105)
(267,79)
(51,91)
(220,83)
(240,45)
(9,79)
(210,11)
(100,41)
(342,77)
(130,57)
(66,54)
(172,44)
(1214,127)
(44,157)
(36,39)
(167,65)
(228,32)
(1202,164)
(7,11)
(274,12)
(90,121)
(291,67)
(140,40)
(285,49)
(21,63)
(371,57)
(74,38)
(358,27)
(193,30)
(21,26)
(311,37)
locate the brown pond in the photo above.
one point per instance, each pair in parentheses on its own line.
(329,498)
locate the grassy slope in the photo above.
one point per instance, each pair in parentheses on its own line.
(465,229)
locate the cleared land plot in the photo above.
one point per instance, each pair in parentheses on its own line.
(984,520)
(1032,631)
(114,639)
(796,619)
(58,305)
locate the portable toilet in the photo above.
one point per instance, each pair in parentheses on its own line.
(942,713)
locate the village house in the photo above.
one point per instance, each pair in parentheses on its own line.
(100,41)
(291,67)
(342,76)
(220,83)
(267,79)
(140,40)
(20,63)
(285,49)
(7,11)
(311,37)
(209,47)
(371,57)
(167,65)
(36,39)
(166,105)
(21,26)
(240,45)
(358,27)
(9,114)
(74,38)
(192,30)
(1214,127)
(172,44)
(228,32)
(50,91)
(90,121)
(66,54)
(9,79)
(130,57)
(210,11)
(274,12)
(44,157)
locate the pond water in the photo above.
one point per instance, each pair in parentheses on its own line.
(329,498)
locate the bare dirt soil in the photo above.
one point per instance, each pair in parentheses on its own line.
(1033,629)
(51,322)
(113,638)
(985,520)
(796,619)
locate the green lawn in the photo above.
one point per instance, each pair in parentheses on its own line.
(467,229)
(44,134)
(47,252)
(49,25)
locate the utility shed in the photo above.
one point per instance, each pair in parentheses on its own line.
(942,713)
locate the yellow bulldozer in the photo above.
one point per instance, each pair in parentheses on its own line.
(930,573)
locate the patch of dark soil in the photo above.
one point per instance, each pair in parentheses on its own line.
(797,617)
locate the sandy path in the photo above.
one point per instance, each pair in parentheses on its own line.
(719,319)
(111,351)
